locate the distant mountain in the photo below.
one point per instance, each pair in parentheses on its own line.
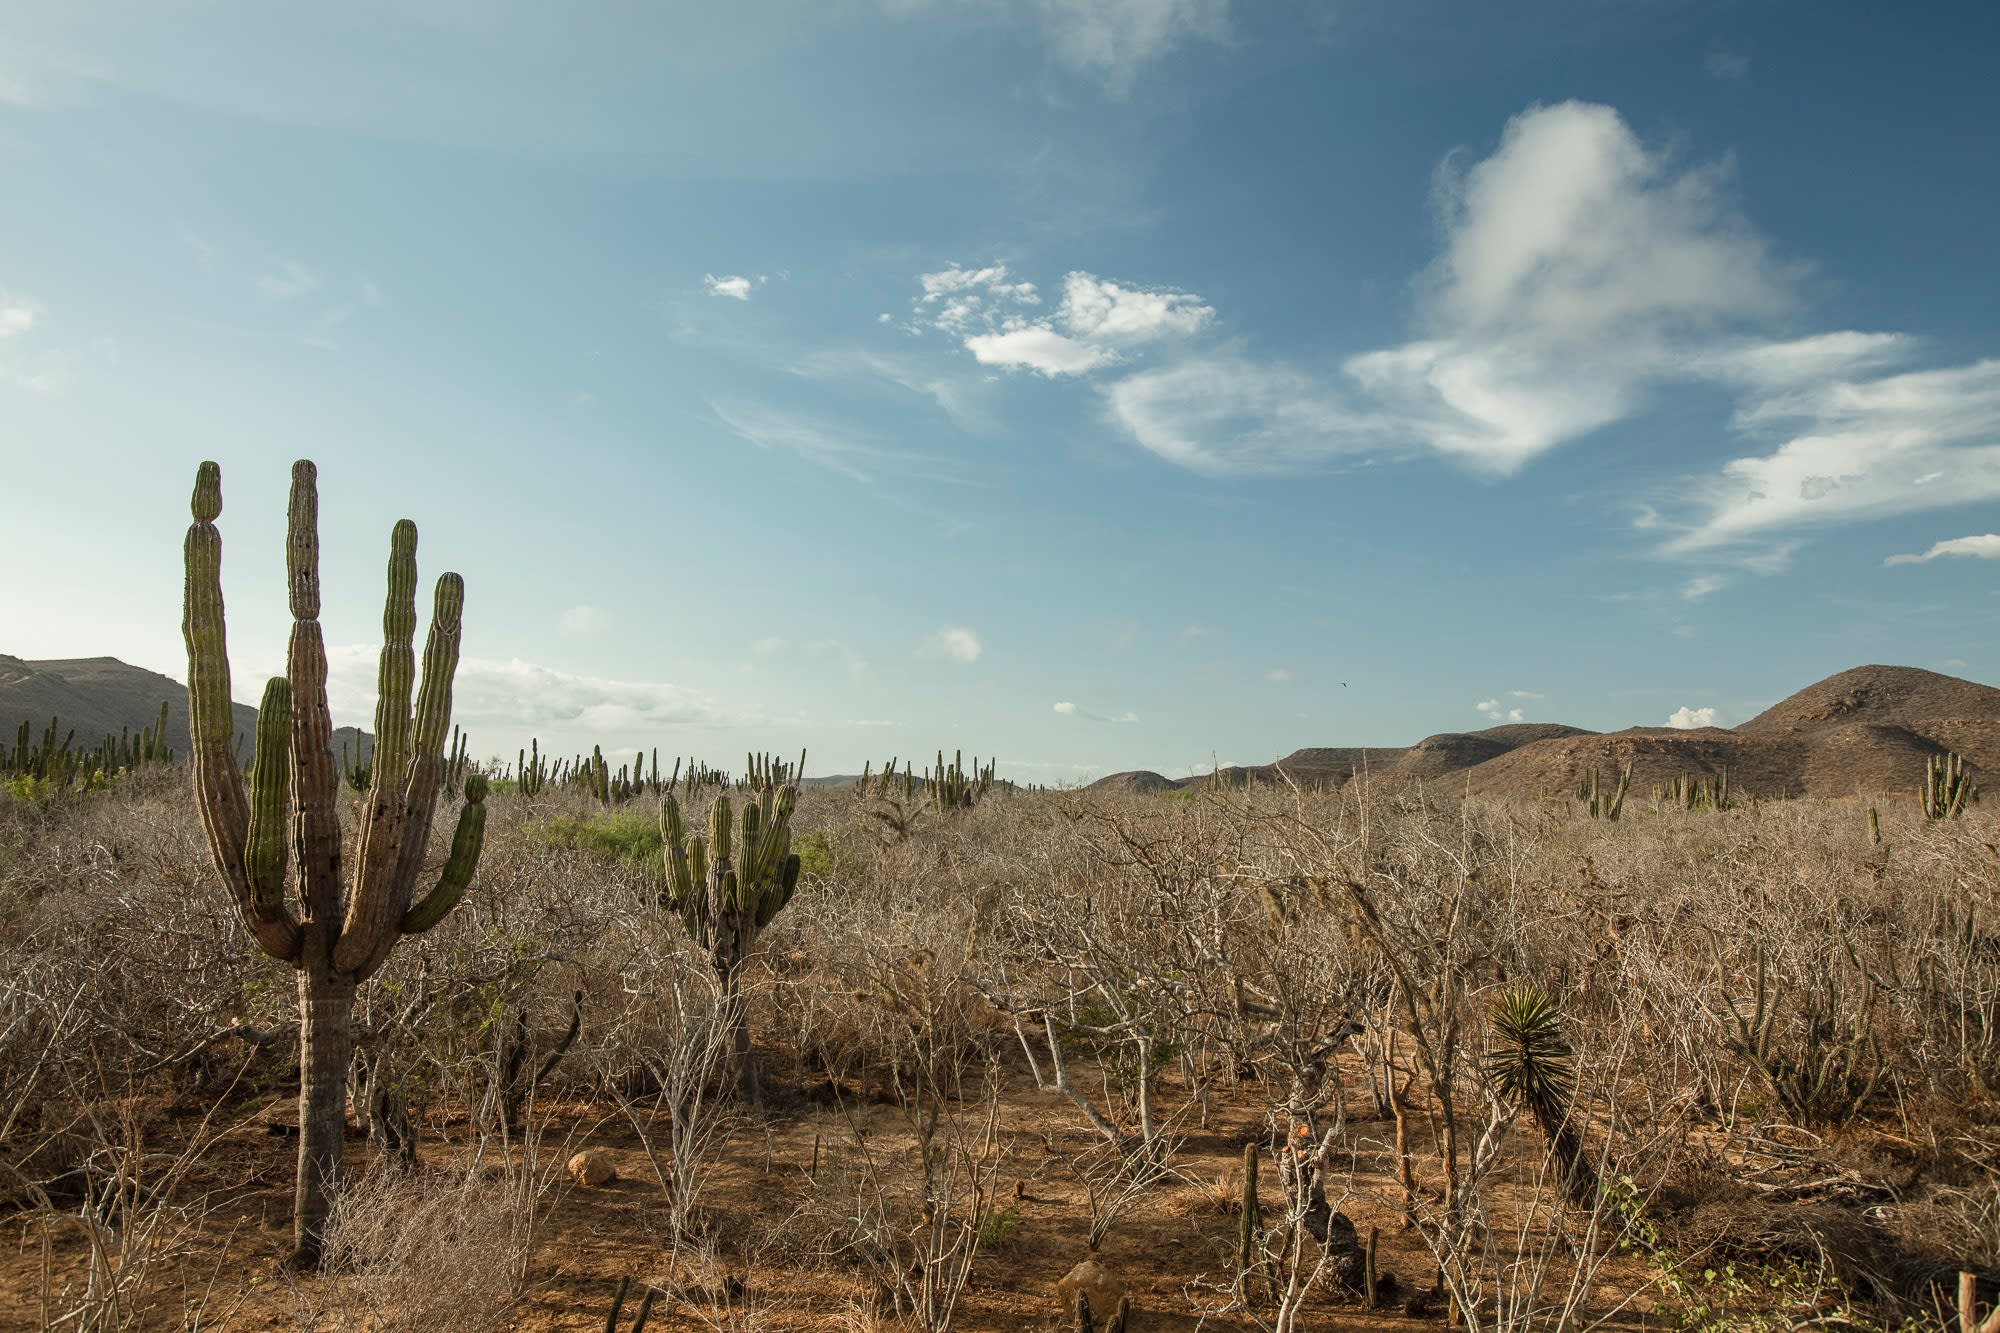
(95,697)
(1863,731)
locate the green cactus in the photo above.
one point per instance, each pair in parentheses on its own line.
(345,925)
(727,886)
(1947,788)
(1596,802)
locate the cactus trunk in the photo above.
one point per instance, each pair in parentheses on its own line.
(326,1048)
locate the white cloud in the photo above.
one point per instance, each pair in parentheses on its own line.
(1687,719)
(1578,269)
(1857,447)
(1702,585)
(291,280)
(1068,709)
(1280,676)
(1983,547)
(508,699)
(1196,630)
(1225,415)
(1119,38)
(1096,323)
(583,619)
(1039,348)
(1093,307)
(953,643)
(734,286)
(1525,694)
(1491,710)
(17,315)
(770,428)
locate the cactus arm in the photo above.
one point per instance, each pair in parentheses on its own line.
(315,824)
(465,844)
(266,857)
(380,900)
(218,781)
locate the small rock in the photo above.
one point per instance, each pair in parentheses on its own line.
(1097,1285)
(592,1168)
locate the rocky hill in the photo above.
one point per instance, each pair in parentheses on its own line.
(1863,731)
(97,697)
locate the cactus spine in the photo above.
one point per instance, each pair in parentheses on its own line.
(730,884)
(345,928)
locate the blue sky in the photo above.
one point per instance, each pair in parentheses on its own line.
(1095,383)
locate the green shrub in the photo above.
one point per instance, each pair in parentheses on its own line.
(622,835)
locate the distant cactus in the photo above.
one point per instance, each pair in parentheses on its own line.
(345,929)
(1596,802)
(730,884)
(1947,788)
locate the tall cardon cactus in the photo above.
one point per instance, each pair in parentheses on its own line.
(727,886)
(344,925)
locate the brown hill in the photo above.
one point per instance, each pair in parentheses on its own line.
(95,697)
(1861,732)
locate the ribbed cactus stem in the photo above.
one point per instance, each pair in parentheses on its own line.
(395,675)
(267,849)
(466,842)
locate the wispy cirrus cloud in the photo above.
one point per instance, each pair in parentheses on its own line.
(1985,546)
(507,700)
(289,280)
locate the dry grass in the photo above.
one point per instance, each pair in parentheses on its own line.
(1242,965)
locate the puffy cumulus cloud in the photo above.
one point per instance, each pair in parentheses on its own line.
(1688,719)
(953,643)
(1578,268)
(1094,325)
(1093,307)
(734,286)
(1039,348)
(1491,710)
(1986,546)
(1117,39)
(1068,709)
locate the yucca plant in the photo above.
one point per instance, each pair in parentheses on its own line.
(1532,1063)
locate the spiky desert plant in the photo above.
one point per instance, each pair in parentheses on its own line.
(1531,1062)
(727,886)
(345,927)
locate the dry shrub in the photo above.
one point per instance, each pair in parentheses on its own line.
(424,1252)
